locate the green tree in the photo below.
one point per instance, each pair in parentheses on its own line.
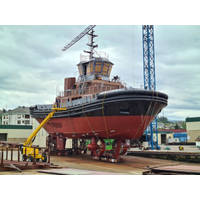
(184,125)
(162,119)
(176,126)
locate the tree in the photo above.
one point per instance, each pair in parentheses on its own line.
(162,119)
(184,125)
(176,126)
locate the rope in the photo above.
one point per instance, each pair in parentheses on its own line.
(104,115)
(90,125)
(145,116)
(72,126)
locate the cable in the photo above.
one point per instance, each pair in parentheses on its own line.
(104,116)
(145,118)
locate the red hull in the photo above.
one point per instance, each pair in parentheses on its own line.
(112,127)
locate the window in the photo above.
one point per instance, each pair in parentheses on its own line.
(18,122)
(27,116)
(19,116)
(27,121)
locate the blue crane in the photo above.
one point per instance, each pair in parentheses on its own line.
(149,78)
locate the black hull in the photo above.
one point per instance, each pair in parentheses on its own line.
(112,103)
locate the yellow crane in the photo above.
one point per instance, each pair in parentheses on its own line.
(27,149)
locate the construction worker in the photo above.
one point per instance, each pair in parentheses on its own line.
(58,103)
(139,144)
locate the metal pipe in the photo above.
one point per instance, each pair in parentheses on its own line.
(34,157)
(6,153)
(2,159)
(49,154)
(25,154)
(18,155)
(11,154)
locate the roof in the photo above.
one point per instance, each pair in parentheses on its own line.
(161,132)
(18,110)
(174,130)
(16,126)
(192,119)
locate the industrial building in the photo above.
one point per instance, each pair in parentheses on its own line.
(15,133)
(16,125)
(193,128)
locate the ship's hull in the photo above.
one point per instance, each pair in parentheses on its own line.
(123,114)
(112,127)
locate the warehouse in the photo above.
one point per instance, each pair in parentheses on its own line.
(193,128)
(15,133)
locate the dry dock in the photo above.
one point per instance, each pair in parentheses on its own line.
(134,165)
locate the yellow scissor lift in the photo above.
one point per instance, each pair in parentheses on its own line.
(27,149)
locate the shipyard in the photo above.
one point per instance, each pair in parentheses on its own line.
(98,119)
(114,100)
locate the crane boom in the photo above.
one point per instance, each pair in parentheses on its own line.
(76,39)
(30,139)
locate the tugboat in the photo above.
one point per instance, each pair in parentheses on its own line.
(99,107)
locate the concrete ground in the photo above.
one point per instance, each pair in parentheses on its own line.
(132,166)
(174,148)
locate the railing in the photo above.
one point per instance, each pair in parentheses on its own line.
(97,54)
(88,90)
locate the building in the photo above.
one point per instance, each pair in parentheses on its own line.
(41,135)
(17,116)
(182,137)
(16,124)
(193,128)
(15,133)
(1,112)
(163,136)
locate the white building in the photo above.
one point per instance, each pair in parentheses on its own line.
(17,116)
(17,126)
(41,135)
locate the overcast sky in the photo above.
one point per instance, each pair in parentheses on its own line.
(33,64)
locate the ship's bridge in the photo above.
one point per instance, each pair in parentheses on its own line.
(98,65)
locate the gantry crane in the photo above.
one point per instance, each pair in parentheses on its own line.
(149,78)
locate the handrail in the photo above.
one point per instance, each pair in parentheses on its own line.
(88,90)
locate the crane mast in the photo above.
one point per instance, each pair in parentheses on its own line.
(77,38)
(149,77)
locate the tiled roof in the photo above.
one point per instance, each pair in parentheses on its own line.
(18,110)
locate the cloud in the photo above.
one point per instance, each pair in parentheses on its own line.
(33,64)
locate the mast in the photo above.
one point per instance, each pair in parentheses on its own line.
(91,43)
